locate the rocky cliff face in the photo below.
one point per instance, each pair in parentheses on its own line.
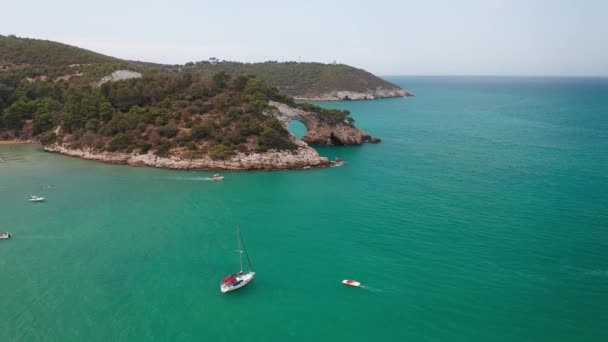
(117,75)
(304,156)
(341,95)
(321,131)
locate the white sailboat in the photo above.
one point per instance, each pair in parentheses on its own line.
(237,280)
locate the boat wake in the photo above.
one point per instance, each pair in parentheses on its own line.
(204,179)
(371,289)
(42,237)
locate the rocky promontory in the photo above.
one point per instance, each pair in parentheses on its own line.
(303,156)
(345,95)
(320,129)
(307,81)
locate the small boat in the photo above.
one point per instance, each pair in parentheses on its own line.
(36,199)
(5,235)
(351,282)
(237,280)
(217,177)
(337,163)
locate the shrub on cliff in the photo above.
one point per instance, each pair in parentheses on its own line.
(43,121)
(120,142)
(168,131)
(333,115)
(48,138)
(274,136)
(164,148)
(221,151)
(201,131)
(18,111)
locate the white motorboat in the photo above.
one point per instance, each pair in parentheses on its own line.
(217,177)
(337,163)
(36,199)
(5,235)
(237,280)
(351,282)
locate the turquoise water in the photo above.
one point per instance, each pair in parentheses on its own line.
(297,128)
(482,216)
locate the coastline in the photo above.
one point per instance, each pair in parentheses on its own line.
(304,157)
(17,142)
(345,95)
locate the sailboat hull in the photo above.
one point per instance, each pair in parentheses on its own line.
(241,280)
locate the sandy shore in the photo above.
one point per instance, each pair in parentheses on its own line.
(16,142)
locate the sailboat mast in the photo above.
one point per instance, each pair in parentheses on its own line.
(247,255)
(238,237)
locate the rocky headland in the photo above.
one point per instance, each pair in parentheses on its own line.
(303,156)
(346,95)
(320,129)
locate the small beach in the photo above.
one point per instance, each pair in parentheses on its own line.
(16,142)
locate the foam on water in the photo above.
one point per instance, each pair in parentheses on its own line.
(192,178)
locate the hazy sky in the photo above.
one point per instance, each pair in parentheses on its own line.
(496,37)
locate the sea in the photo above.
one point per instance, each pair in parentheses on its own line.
(481,216)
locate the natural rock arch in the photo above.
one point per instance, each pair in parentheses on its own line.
(320,131)
(297,128)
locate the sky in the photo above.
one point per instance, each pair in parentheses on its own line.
(420,37)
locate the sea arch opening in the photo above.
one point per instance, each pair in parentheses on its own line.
(297,128)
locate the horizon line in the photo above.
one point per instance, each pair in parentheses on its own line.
(496,75)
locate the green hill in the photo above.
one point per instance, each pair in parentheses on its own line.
(37,52)
(308,80)
(188,113)
(316,81)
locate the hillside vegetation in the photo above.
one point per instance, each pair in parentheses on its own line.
(307,80)
(300,80)
(189,114)
(37,52)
